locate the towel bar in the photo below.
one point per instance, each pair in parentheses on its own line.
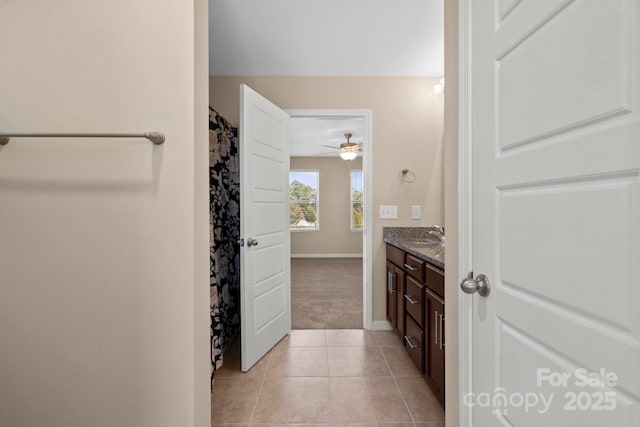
(156,137)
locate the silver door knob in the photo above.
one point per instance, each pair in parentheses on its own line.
(480,285)
(252,242)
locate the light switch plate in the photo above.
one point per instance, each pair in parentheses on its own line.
(416,212)
(388,212)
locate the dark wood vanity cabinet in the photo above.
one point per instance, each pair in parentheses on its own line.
(415,308)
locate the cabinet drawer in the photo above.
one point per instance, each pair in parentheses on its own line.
(414,267)
(395,255)
(414,343)
(414,296)
(435,280)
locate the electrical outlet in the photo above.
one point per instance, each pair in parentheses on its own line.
(388,212)
(416,212)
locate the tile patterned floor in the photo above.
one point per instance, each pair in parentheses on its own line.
(316,378)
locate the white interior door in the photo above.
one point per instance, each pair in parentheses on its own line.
(265,283)
(556,225)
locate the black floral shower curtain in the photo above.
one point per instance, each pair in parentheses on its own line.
(224,232)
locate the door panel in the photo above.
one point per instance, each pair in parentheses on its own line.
(556,162)
(266,278)
(560,229)
(583,88)
(270,218)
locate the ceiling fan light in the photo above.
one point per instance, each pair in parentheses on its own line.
(348,155)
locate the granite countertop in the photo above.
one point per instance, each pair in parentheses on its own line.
(407,238)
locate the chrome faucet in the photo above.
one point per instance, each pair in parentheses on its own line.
(438,232)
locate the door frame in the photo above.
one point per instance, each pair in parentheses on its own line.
(465,213)
(367,169)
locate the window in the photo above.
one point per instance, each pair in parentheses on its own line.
(303,200)
(357,201)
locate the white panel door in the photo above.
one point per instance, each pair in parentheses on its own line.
(556,225)
(265,281)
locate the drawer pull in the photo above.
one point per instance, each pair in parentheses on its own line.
(408,267)
(411,299)
(410,342)
(441,330)
(435,324)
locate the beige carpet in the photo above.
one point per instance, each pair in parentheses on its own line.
(326,293)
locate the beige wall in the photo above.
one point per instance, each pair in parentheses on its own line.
(407,133)
(201,279)
(103,316)
(335,235)
(451,210)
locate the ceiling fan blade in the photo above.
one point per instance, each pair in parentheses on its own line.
(329,146)
(325,153)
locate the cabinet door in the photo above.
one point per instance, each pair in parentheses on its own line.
(434,344)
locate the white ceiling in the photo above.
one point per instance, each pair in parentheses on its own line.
(308,135)
(326,38)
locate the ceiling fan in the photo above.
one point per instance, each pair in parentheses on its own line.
(348,150)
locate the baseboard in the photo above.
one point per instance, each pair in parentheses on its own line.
(326,255)
(381,325)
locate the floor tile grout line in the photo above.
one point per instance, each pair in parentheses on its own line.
(326,348)
(264,378)
(395,381)
(331,409)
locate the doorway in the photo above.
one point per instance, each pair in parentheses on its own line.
(327,265)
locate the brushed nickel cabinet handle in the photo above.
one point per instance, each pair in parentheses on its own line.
(411,299)
(441,331)
(408,267)
(410,342)
(435,325)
